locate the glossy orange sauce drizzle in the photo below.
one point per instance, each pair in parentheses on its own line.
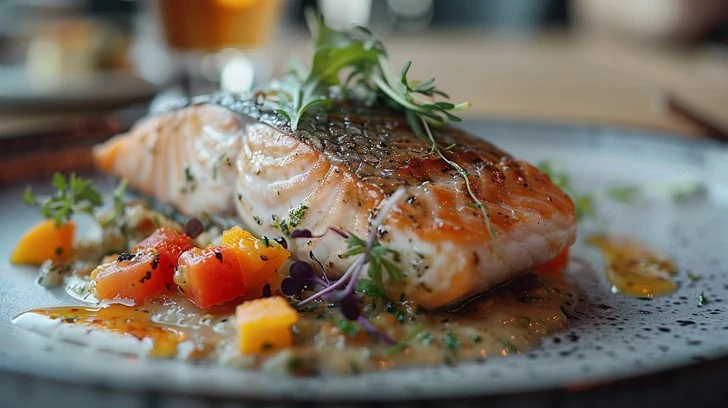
(634,269)
(135,321)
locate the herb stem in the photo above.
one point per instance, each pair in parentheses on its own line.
(355,270)
(462,172)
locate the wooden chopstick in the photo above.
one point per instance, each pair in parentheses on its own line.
(667,104)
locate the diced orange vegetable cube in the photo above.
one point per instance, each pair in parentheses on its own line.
(554,266)
(265,324)
(210,276)
(169,244)
(258,259)
(134,277)
(45,241)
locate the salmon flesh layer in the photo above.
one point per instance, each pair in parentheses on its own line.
(227,156)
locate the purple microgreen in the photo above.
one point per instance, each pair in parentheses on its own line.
(334,285)
(301,233)
(350,307)
(301,270)
(371,252)
(304,233)
(374,331)
(292,287)
(323,270)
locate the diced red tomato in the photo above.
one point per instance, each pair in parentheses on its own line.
(134,277)
(554,266)
(169,244)
(210,276)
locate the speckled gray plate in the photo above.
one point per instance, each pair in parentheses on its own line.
(614,338)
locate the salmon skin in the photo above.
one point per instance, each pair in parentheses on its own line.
(234,155)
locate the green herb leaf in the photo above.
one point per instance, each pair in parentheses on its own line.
(628,194)
(28,197)
(368,287)
(702,299)
(119,207)
(72,195)
(450,341)
(583,203)
(348,328)
(426,338)
(296,215)
(508,345)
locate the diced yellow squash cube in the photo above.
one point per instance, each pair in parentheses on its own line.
(258,259)
(265,325)
(45,241)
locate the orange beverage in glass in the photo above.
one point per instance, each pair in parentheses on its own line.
(212,25)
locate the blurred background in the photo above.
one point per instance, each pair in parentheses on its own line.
(75,71)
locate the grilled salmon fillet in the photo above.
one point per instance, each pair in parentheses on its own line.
(229,155)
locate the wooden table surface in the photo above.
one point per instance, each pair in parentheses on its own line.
(557,77)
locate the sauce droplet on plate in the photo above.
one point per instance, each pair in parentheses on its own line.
(634,269)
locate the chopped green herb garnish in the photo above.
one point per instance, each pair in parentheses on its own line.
(59,251)
(73,195)
(475,339)
(258,220)
(509,346)
(628,194)
(451,341)
(426,338)
(297,215)
(583,203)
(348,328)
(702,299)
(686,191)
(295,364)
(266,241)
(188,175)
(281,224)
(28,196)
(693,277)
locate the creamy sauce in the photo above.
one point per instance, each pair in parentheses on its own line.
(634,269)
(509,320)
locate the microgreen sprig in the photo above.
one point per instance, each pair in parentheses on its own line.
(73,195)
(370,76)
(119,207)
(369,252)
